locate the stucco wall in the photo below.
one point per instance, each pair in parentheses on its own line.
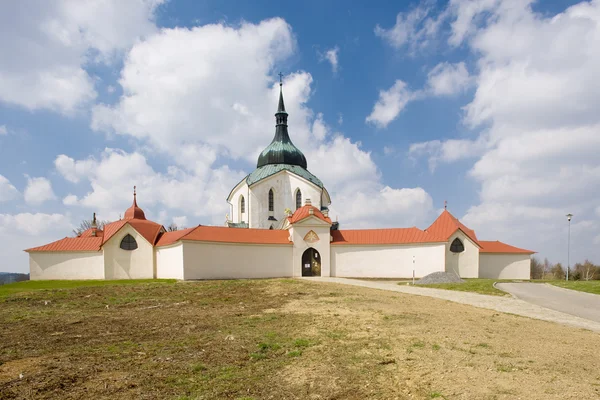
(124,264)
(323,246)
(504,266)
(169,262)
(235,214)
(284,185)
(66,265)
(386,261)
(466,264)
(203,260)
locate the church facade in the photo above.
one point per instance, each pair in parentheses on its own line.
(278,226)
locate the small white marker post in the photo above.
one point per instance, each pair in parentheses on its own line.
(413,270)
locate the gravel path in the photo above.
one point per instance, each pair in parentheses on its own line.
(503,304)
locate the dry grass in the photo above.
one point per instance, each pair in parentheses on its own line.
(281,339)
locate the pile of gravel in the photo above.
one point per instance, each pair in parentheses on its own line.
(439,277)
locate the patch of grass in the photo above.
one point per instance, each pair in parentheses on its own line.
(435,347)
(482,286)
(294,353)
(31,286)
(582,286)
(302,343)
(435,395)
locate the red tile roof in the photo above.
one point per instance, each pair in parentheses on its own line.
(168,238)
(499,247)
(227,235)
(88,233)
(134,212)
(305,212)
(446,224)
(71,244)
(384,236)
(148,229)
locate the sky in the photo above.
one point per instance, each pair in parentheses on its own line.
(490,105)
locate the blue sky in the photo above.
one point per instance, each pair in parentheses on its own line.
(489,104)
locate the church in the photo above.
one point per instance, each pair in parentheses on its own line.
(278,226)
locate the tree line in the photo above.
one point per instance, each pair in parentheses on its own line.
(585,271)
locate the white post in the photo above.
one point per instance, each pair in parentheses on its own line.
(413,270)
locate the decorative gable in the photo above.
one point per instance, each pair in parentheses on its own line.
(311,237)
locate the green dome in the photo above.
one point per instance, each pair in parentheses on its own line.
(281,150)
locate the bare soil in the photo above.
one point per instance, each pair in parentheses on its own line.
(281,339)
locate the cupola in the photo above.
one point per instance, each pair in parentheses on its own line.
(281,150)
(134,212)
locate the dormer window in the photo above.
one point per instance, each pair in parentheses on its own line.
(128,243)
(457,246)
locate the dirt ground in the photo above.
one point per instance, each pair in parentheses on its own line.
(281,339)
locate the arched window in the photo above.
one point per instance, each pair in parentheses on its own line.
(271,201)
(298,199)
(457,246)
(128,243)
(242,205)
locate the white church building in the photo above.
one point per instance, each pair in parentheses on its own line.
(278,227)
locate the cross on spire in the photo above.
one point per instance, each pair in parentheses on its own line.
(280,78)
(445,204)
(134,191)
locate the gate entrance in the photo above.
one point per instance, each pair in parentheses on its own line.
(311,263)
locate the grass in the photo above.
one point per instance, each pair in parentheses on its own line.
(482,286)
(30,286)
(261,339)
(582,286)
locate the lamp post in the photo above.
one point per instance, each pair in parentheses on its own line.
(569,216)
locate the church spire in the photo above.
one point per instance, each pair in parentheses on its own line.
(281,115)
(281,150)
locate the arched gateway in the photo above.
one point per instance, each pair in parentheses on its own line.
(311,263)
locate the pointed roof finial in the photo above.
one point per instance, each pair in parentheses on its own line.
(445,204)
(134,212)
(280,79)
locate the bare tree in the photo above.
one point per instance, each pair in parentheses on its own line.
(173,227)
(87,224)
(537,269)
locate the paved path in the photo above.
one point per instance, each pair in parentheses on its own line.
(580,304)
(498,303)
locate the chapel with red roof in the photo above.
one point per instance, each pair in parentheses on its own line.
(278,226)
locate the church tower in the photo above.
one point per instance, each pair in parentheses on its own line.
(281,182)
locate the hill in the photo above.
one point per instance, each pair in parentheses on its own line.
(280,339)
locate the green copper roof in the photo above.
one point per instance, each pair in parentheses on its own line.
(237,224)
(271,169)
(281,150)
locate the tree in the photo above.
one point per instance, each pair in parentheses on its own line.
(587,271)
(87,224)
(557,271)
(537,269)
(173,227)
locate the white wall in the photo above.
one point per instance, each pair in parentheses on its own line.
(284,185)
(204,260)
(125,264)
(66,265)
(169,262)
(234,200)
(466,264)
(386,261)
(504,266)
(323,245)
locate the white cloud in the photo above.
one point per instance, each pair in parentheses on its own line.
(38,191)
(7,190)
(205,96)
(390,103)
(25,230)
(181,221)
(447,79)
(414,29)
(70,200)
(3,130)
(45,46)
(71,170)
(331,56)
(448,151)
(535,105)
